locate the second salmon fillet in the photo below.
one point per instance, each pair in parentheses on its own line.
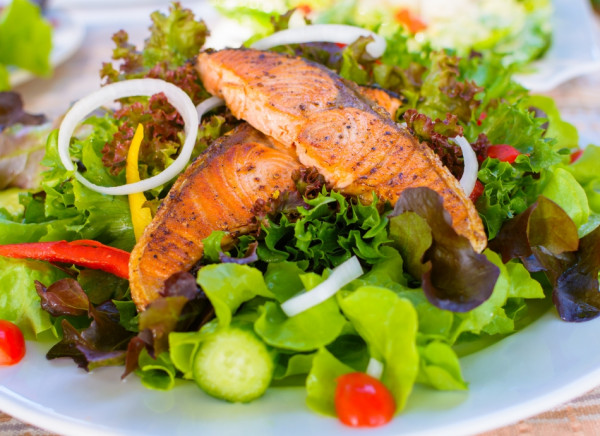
(310,110)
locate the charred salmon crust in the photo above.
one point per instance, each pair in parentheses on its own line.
(216,192)
(311,110)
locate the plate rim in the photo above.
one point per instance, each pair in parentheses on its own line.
(44,417)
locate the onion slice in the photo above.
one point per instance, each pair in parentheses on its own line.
(340,33)
(208,105)
(340,277)
(469,177)
(374,368)
(114,91)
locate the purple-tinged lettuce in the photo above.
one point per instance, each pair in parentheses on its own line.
(454,276)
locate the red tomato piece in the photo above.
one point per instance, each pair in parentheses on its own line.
(412,22)
(576,155)
(12,343)
(477,191)
(503,152)
(363,401)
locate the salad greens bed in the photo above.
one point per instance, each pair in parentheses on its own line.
(541,212)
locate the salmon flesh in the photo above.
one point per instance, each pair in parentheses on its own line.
(216,192)
(328,125)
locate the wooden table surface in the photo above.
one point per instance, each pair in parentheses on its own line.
(578,99)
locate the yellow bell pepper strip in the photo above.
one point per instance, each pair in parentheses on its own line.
(140,216)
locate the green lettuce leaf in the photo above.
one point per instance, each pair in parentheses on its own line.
(228,285)
(562,188)
(440,368)
(182,349)
(388,324)
(69,210)
(322,381)
(19,301)
(287,365)
(156,373)
(176,37)
(307,331)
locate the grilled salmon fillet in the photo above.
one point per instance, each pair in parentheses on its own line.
(216,192)
(382,98)
(311,110)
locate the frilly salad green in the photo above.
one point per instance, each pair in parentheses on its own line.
(425,297)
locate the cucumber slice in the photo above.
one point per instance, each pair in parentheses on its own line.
(233,364)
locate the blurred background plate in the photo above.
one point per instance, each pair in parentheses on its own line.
(575,49)
(67,37)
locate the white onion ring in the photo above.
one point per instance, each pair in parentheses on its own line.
(208,105)
(341,33)
(136,87)
(339,277)
(469,177)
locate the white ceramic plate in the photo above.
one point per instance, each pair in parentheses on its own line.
(542,366)
(67,37)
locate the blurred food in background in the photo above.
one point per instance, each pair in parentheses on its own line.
(25,41)
(519,30)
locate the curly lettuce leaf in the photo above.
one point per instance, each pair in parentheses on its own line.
(328,230)
(174,38)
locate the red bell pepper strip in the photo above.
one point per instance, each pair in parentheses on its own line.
(503,152)
(86,253)
(576,155)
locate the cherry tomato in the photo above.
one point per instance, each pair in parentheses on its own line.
(503,152)
(477,191)
(12,343)
(363,401)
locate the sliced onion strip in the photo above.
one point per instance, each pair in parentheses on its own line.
(208,105)
(469,177)
(374,368)
(340,277)
(114,91)
(340,33)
